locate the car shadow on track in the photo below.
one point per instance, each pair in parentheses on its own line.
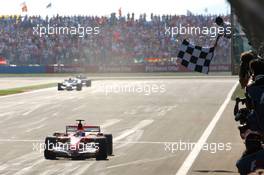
(214,171)
(78,159)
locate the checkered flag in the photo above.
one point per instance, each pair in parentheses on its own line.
(195,58)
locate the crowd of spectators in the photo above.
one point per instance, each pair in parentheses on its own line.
(122,39)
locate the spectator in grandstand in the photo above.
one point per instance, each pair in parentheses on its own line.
(121,39)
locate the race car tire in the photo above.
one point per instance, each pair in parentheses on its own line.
(109,139)
(79,87)
(102,153)
(59,87)
(50,155)
(88,83)
(49,143)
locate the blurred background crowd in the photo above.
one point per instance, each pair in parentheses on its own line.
(122,40)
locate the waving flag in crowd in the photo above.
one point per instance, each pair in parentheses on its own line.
(120,12)
(24,7)
(196,58)
(49,5)
(3,61)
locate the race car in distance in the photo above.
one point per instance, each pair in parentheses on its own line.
(85,81)
(79,142)
(70,84)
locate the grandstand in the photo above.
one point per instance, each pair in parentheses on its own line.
(122,40)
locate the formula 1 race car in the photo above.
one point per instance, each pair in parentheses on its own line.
(79,142)
(85,81)
(70,84)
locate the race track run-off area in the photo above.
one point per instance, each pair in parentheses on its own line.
(154,123)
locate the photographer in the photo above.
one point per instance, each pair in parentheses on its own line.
(255,95)
(244,72)
(252,158)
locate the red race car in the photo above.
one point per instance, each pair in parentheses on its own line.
(79,142)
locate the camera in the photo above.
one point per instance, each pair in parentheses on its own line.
(241,114)
(253,140)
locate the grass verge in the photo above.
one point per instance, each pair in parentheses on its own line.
(25,89)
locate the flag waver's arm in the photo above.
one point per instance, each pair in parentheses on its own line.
(217,39)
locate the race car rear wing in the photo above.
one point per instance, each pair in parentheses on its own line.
(73,128)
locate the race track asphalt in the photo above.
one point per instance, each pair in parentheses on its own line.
(149,120)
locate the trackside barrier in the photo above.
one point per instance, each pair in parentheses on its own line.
(22,69)
(105,69)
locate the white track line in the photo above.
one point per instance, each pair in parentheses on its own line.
(131,138)
(11,164)
(27,169)
(32,110)
(34,123)
(83,169)
(35,128)
(78,108)
(143,161)
(185,167)
(5,113)
(110,123)
(139,126)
